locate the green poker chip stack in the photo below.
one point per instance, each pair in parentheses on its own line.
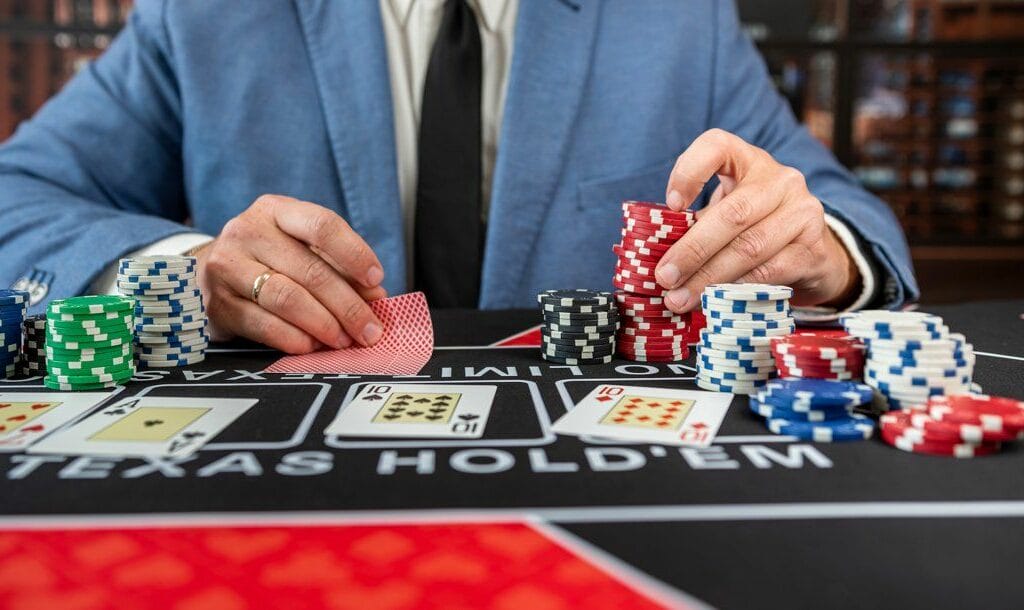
(89,343)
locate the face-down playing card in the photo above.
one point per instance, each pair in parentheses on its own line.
(148,426)
(416,410)
(26,417)
(644,414)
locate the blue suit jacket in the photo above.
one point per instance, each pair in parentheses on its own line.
(200,106)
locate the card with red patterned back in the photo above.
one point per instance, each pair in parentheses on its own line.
(404,348)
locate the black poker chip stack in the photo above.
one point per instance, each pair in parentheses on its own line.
(579,326)
(33,351)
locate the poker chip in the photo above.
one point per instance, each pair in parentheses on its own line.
(87,343)
(748,292)
(714,315)
(818,392)
(811,356)
(168,311)
(913,444)
(852,427)
(649,331)
(711,303)
(577,361)
(719,385)
(810,415)
(87,305)
(992,413)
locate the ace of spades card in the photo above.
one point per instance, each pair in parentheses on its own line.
(27,417)
(148,426)
(416,410)
(642,414)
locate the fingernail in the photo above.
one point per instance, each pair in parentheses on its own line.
(342,341)
(668,275)
(677,299)
(675,200)
(374,276)
(372,333)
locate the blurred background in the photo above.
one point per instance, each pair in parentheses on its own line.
(922,99)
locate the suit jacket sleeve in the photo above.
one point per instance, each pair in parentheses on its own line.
(97,172)
(745,102)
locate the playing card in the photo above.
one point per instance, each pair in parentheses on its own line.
(653,415)
(27,417)
(420,410)
(147,426)
(404,348)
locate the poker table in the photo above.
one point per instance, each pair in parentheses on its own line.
(272,513)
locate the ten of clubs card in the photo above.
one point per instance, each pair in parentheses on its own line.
(148,426)
(27,417)
(651,415)
(420,410)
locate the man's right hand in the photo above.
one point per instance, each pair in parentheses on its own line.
(323,276)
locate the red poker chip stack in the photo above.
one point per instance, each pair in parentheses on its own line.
(810,355)
(648,330)
(957,425)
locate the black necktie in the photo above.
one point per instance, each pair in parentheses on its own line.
(449,231)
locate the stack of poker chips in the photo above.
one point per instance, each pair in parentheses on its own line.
(579,326)
(734,352)
(650,331)
(12,313)
(170,320)
(33,351)
(911,356)
(819,410)
(956,425)
(88,343)
(813,356)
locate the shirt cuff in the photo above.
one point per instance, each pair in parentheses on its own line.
(869,278)
(106,282)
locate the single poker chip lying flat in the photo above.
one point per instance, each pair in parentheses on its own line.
(958,450)
(853,427)
(748,292)
(992,413)
(772,412)
(819,392)
(95,304)
(577,361)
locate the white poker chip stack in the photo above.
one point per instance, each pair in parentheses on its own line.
(911,356)
(170,320)
(734,353)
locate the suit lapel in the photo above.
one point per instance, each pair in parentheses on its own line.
(346,47)
(550,65)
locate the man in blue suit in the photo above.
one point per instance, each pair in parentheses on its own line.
(316,154)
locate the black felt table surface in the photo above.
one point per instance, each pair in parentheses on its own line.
(751,522)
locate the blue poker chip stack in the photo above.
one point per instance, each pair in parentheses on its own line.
(818,410)
(170,322)
(911,356)
(734,352)
(13,304)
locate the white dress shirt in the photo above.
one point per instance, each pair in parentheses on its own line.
(410,27)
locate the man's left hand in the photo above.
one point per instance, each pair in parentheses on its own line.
(761,225)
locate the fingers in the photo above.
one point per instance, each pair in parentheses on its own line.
(324,283)
(745,206)
(246,319)
(786,268)
(324,230)
(289,301)
(750,249)
(713,152)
